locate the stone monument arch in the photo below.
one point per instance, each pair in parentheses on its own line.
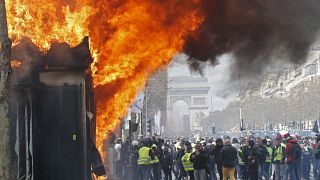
(192,90)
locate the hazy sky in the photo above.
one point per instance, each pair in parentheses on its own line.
(218,79)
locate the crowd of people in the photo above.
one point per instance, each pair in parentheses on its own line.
(284,157)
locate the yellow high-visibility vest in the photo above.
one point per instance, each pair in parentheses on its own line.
(156,159)
(239,154)
(279,155)
(144,158)
(268,160)
(187,164)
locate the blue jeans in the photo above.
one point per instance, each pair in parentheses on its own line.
(280,171)
(212,171)
(242,172)
(306,166)
(294,170)
(316,168)
(145,171)
(266,170)
(260,170)
(270,170)
(156,169)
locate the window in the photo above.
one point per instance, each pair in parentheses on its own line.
(311,69)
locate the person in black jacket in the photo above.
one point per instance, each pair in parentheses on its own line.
(251,160)
(166,163)
(263,154)
(228,156)
(216,152)
(199,159)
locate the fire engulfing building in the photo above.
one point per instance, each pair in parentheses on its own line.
(53,110)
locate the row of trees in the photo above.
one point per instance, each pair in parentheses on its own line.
(302,103)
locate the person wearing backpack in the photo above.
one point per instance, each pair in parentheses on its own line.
(293,154)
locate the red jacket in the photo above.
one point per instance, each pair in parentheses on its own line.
(288,150)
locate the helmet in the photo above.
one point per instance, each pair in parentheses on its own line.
(117,147)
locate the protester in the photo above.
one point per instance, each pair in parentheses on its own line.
(179,166)
(306,160)
(316,161)
(199,159)
(293,153)
(267,163)
(166,162)
(252,158)
(187,164)
(216,152)
(241,164)
(145,157)
(211,160)
(156,166)
(278,156)
(118,162)
(134,150)
(228,156)
(263,154)
(236,144)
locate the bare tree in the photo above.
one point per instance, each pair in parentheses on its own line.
(6,145)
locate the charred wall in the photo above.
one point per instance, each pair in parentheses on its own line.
(52,94)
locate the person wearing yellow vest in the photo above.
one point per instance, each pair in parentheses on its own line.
(267,162)
(241,163)
(278,159)
(269,159)
(187,164)
(144,161)
(156,166)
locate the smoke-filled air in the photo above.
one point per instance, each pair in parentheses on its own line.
(255,32)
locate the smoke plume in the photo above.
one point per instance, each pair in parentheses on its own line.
(255,32)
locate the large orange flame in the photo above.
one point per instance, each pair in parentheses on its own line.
(140,36)
(129,40)
(46,22)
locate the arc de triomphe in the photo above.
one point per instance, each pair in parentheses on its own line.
(192,90)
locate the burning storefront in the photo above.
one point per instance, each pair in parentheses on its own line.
(53,107)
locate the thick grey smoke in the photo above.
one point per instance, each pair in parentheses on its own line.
(255,32)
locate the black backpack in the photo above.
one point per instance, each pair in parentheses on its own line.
(296,151)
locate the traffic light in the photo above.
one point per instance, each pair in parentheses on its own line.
(213,130)
(242,125)
(133,126)
(149,126)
